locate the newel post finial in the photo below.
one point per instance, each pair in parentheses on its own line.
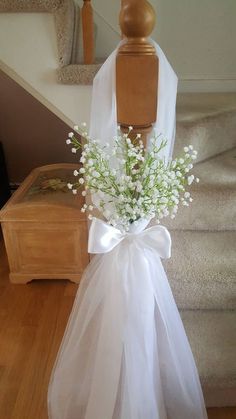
(137,20)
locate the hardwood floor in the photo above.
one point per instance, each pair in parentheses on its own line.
(226,413)
(33,318)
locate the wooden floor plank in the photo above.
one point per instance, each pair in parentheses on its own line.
(33,318)
(222,413)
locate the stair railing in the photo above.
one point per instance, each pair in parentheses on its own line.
(88,32)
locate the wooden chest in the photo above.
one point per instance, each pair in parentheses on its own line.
(44,231)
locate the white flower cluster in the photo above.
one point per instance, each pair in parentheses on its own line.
(128,182)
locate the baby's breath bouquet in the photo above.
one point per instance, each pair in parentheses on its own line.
(128,182)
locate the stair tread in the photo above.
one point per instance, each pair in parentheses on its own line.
(213,252)
(214,198)
(219,171)
(212,336)
(210,134)
(194,106)
(202,269)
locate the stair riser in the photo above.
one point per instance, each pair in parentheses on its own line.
(213,296)
(212,209)
(209,136)
(214,198)
(219,397)
(202,269)
(212,336)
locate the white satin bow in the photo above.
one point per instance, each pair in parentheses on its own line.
(103,238)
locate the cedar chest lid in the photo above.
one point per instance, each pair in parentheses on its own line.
(44,196)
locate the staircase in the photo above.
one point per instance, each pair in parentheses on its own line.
(202,270)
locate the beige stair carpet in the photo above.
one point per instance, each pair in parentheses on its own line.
(214,198)
(202,269)
(212,336)
(209,135)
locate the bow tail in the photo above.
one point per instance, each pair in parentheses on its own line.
(106,372)
(142,395)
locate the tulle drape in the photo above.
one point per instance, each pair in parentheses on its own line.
(125,354)
(103,121)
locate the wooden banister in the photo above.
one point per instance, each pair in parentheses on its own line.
(136,68)
(88,32)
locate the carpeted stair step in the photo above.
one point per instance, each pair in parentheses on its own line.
(202,269)
(214,198)
(210,135)
(212,336)
(195,106)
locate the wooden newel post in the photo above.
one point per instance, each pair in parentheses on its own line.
(136,68)
(88,32)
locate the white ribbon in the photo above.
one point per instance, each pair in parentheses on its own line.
(104,237)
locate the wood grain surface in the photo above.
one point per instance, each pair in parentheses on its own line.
(45,233)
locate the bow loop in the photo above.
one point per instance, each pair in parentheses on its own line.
(103,238)
(158,238)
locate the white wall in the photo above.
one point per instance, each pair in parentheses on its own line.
(198,37)
(28,53)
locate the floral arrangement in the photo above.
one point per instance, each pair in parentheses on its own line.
(128,182)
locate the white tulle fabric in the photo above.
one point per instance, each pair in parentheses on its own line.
(103,119)
(125,354)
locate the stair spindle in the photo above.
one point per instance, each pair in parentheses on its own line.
(136,69)
(88,32)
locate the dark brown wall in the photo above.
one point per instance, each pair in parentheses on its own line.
(31,135)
